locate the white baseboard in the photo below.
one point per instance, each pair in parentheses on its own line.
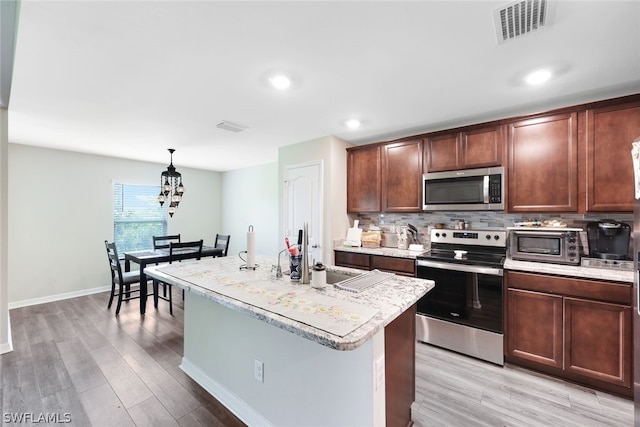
(241,410)
(57,297)
(8,346)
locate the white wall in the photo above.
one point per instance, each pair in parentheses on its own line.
(305,383)
(5,341)
(61,212)
(333,152)
(250,197)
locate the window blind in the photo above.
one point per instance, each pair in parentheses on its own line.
(137,216)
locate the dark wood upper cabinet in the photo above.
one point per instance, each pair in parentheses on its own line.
(574,160)
(466,149)
(606,157)
(364,169)
(543,158)
(402,177)
(442,153)
(482,147)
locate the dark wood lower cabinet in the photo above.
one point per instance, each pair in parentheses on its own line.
(598,341)
(576,329)
(352,260)
(400,266)
(539,340)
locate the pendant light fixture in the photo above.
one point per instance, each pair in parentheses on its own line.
(171,187)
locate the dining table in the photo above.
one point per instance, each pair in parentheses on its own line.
(158,256)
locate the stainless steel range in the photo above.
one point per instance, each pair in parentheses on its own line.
(463,312)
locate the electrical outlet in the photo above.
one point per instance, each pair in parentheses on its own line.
(258,371)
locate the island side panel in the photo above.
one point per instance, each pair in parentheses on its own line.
(400,354)
(304,383)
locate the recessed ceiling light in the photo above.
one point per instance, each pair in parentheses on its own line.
(537,77)
(353,123)
(280,81)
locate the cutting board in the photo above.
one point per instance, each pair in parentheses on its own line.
(353,236)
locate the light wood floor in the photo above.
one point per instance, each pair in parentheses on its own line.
(77,359)
(74,358)
(456,390)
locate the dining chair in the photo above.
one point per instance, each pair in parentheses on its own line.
(222,242)
(175,249)
(162,242)
(120,281)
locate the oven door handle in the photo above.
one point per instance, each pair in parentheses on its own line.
(491,271)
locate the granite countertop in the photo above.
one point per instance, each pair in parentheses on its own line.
(614,275)
(390,298)
(392,252)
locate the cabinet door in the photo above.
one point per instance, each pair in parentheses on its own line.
(442,153)
(363,179)
(543,158)
(482,147)
(402,177)
(609,170)
(353,260)
(598,340)
(401,266)
(534,327)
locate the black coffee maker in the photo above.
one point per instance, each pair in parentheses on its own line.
(608,239)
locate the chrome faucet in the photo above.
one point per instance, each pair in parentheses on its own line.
(278,268)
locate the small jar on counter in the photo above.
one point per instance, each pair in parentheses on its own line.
(319,276)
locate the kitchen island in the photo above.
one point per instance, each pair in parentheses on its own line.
(278,353)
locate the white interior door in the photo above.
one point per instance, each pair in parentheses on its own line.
(303,203)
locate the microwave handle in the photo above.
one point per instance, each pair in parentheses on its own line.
(485,189)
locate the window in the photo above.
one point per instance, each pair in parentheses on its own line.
(137,216)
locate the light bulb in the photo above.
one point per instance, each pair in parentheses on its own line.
(353,123)
(538,77)
(280,81)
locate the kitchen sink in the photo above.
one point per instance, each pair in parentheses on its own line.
(338,276)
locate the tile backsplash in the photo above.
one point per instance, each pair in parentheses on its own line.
(475,220)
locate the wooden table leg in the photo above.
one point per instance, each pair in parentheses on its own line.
(127,268)
(143,289)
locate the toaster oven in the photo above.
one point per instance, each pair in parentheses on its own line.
(558,246)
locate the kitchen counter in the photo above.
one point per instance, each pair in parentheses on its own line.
(392,252)
(614,275)
(389,299)
(261,346)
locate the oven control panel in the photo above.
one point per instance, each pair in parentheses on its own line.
(494,238)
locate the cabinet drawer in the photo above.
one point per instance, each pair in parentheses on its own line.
(403,266)
(604,291)
(350,259)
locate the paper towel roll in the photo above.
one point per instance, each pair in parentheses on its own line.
(251,248)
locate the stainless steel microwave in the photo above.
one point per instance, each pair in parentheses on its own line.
(558,246)
(466,190)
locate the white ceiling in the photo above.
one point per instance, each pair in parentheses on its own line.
(133,78)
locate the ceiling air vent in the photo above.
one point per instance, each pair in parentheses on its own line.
(520,18)
(233,127)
